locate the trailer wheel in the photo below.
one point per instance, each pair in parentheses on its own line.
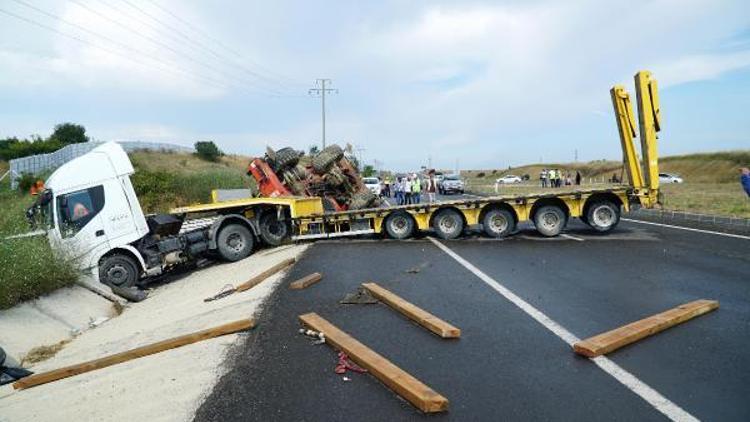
(234,242)
(323,161)
(549,220)
(603,216)
(498,223)
(399,225)
(272,231)
(119,270)
(448,223)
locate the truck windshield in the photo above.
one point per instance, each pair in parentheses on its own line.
(41,211)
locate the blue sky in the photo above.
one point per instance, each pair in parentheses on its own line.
(489,84)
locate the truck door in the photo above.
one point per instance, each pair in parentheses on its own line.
(79,221)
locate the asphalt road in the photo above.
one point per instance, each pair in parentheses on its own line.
(506,366)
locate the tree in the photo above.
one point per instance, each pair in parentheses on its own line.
(208,150)
(69,133)
(314,149)
(368,171)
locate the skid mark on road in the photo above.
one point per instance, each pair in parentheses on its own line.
(653,397)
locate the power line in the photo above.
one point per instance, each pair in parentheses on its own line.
(110,51)
(203,47)
(322,93)
(279,76)
(261,90)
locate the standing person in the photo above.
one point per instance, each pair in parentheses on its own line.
(568,180)
(578,178)
(387,187)
(559,176)
(407,190)
(431,187)
(398,191)
(416,190)
(542,177)
(745,179)
(551,176)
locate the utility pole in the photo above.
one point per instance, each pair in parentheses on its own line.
(321,92)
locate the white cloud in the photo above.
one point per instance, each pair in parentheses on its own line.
(700,67)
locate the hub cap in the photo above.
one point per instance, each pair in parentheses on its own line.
(550,220)
(117,274)
(235,242)
(498,223)
(447,224)
(604,217)
(399,225)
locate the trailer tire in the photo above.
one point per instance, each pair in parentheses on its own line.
(549,220)
(498,222)
(399,225)
(119,270)
(272,231)
(448,223)
(285,158)
(325,159)
(603,216)
(234,242)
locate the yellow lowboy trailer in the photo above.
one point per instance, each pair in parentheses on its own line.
(275,219)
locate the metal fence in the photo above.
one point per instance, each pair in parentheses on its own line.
(36,164)
(678,216)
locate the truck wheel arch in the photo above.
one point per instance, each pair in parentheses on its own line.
(125,250)
(213,231)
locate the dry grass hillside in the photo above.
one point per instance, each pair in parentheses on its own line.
(179,162)
(711,180)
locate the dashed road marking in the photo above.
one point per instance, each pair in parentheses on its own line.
(690,229)
(567,236)
(653,397)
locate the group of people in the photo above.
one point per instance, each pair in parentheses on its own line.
(408,189)
(554,178)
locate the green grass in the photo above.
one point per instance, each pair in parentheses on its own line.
(28,267)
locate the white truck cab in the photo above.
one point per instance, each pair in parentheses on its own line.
(91,213)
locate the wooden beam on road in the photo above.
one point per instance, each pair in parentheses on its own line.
(249,284)
(398,380)
(413,312)
(619,337)
(92,365)
(305,281)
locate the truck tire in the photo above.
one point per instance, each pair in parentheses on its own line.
(324,160)
(119,270)
(549,220)
(399,225)
(603,216)
(234,242)
(448,223)
(498,222)
(362,200)
(285,158)
(272,231)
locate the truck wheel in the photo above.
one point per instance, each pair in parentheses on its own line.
(285,158)
(323,161)
(549,220)
(498,223)
(119,270)
(234,242)
(272,231)
(399,225)
(362,200)
(603,216)
(448,223)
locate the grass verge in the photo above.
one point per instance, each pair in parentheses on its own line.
(28,266)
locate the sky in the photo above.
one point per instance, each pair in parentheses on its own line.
(478,84)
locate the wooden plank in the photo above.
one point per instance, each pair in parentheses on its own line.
(413,312)
(92,365)
(398,380)
(619,337)
(305,281)
(249,284)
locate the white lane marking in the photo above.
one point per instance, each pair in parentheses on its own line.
(653,397)
(567,236)
(690,229)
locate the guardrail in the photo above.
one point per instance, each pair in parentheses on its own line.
(724,220)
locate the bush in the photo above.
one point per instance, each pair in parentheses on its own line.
(26,181)
(494,172)
(480,174)
(208,150)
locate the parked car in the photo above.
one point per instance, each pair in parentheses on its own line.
(669,178)
(508,179)
(373,184)
(451,184)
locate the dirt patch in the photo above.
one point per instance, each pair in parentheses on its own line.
(42,353)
